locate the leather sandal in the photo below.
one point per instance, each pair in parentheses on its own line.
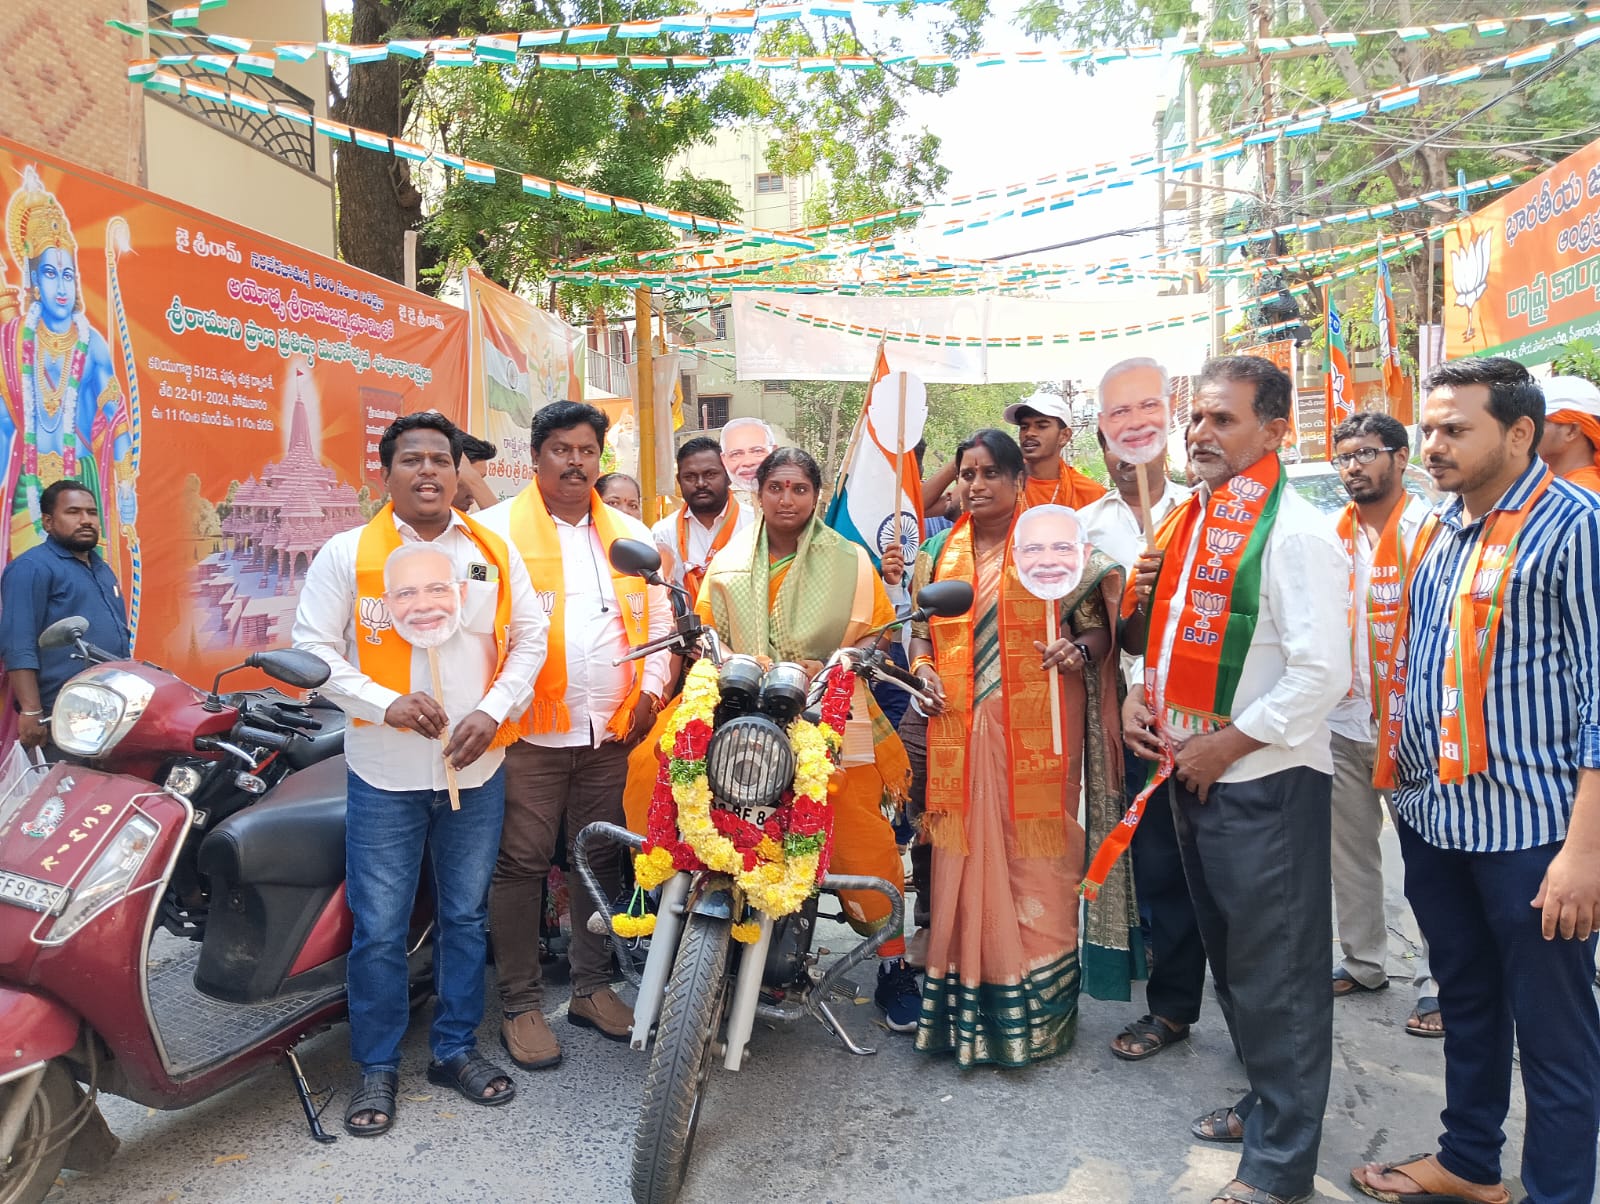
(1239,1192)
(1438,1185)
(1152,1034)
(375,1093)
(1216,1127)
(471,1074)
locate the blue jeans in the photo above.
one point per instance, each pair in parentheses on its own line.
(1498,979)
(385,834)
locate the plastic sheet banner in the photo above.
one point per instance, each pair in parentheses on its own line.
(1014,337)
(1522,275)
(221,392)
(521,359)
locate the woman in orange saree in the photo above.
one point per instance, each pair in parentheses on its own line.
(1003,973)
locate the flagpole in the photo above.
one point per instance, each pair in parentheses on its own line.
(900,462)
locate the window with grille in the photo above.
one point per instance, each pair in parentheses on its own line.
(713,410)
(774,386)
(769,181)
(719,323)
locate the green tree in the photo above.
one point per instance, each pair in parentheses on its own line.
(1581,358)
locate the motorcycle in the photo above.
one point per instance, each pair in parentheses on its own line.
(218,818)
(696,981)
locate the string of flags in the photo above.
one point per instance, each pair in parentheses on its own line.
(506,47)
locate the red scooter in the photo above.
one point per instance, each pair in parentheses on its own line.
(172,902)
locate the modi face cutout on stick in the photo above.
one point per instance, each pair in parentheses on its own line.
(1048,549)
(425,602)
(1135,416)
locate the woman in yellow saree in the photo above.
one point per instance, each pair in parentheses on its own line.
(1003,972)
(789,589)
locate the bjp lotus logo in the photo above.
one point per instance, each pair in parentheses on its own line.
(1451,701)
(1208,605)
(1222,543)
(1387,593)
(635,604)
(375,618)
(1484,582)
(547,599)
(1384,631)
(1396,700)
(1247,489)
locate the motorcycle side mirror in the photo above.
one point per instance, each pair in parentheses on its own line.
(292,666)
(64,633)
(635,558)
(944,599)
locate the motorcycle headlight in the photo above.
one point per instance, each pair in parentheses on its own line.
(96,709)
(108,879)
(749,764)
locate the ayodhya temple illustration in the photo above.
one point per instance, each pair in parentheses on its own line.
(245,591)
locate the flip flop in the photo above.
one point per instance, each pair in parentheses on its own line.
(1426,1006)
(1438,1185)
(1344,983)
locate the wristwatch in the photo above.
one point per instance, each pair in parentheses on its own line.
(1083,651)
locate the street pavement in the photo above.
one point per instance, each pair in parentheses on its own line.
(804,1120)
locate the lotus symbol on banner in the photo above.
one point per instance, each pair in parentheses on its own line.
(1222,543)
(1387,593)
(1384,631)
(375,618)
(1469,275)
(1209,605)
(1247,489)
(1451,702)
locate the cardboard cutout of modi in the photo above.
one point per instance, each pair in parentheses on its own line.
(425,601)
(1048,548)
(1136,410)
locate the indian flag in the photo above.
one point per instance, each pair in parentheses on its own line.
(865,507)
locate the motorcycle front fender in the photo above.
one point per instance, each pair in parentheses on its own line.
(37,1028)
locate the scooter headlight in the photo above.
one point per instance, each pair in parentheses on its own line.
(96,709)
(108,878)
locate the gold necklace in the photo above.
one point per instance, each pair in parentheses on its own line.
(57,345)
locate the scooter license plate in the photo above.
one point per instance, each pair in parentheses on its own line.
(22,891)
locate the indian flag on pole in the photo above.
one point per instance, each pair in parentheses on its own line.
(866,506)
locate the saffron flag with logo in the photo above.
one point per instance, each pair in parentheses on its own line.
(865,507)
(1396,385)
(1337,385)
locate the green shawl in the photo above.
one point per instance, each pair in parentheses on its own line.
(812,611)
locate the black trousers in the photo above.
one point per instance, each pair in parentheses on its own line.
(1257,857)
(1178,955)
(914,735)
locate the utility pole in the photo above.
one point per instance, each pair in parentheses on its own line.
(644,370)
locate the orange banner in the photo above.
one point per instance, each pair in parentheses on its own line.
(1522,276)
(221,392)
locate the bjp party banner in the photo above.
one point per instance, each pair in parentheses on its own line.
(1522,276)
(521,359)
(220,393)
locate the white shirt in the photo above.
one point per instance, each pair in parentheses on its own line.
(594,633)
(1352,718)
(1113,526)
(386,757)
(665,533)
(1298,664)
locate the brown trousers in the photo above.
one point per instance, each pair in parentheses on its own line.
(543,787)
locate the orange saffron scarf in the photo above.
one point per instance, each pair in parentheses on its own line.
(1386,590)
(1474,632)
(694,574)
(1038,776)
(533,532)
(382,653)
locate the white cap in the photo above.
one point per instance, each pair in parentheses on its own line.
(1048,404)
(1571,393)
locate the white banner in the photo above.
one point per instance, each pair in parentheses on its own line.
(778,336)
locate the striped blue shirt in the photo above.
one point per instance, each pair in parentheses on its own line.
(1543,689)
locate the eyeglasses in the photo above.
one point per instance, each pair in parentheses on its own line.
(1363,455)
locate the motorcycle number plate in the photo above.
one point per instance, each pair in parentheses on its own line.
(27,892)
(754,815)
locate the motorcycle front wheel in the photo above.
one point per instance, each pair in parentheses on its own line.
(680,1060)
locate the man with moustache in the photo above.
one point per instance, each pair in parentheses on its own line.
(1378,528)
(587,714)
(1490,739)
(60,578)
(745,443)
(1177,975)
(1244,607)
(398,798)
(709,518)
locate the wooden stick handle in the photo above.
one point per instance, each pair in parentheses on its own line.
(444,736)
(1051,635)
(1145,520)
